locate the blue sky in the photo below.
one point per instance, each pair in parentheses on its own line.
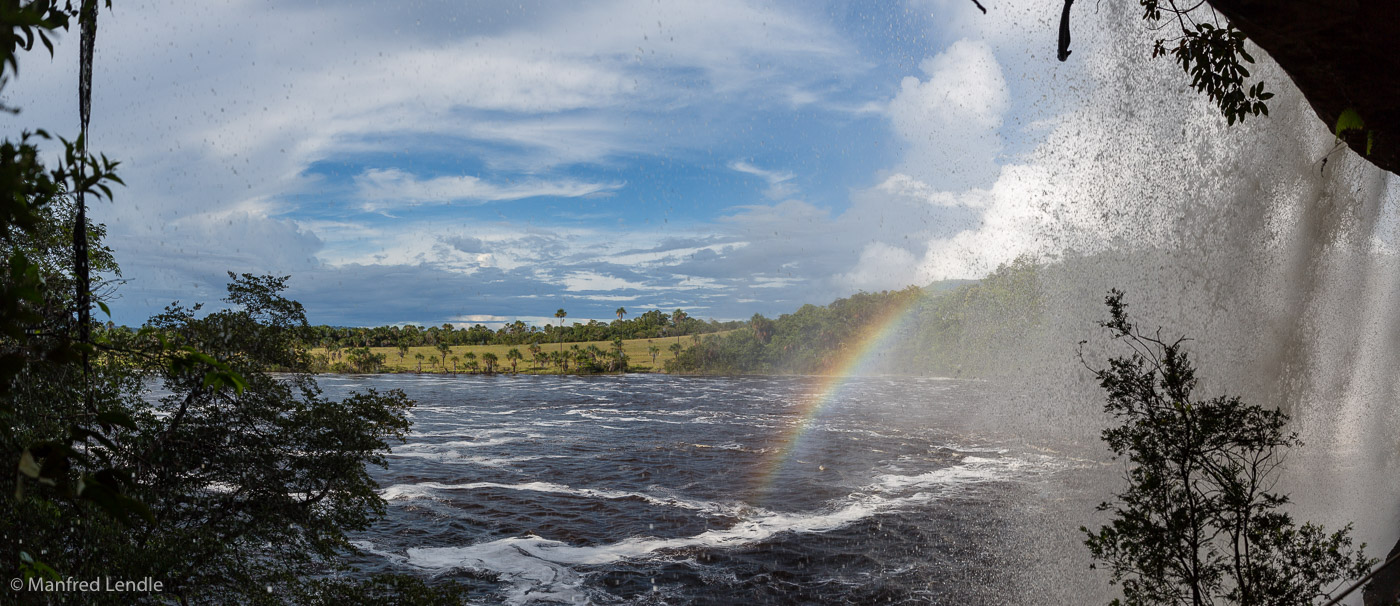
(434,162)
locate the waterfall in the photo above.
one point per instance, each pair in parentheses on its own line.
(1275,250)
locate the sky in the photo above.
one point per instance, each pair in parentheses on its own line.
(431,162)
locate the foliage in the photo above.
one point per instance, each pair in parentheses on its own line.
(649,325)
(1214,57)
(1198,523)
(963,331)
(237,486)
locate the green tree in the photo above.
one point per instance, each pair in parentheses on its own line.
(489,360)
(403,350)
(621,312)
(419,357)
(560,315)
(677,318)
(231,489)
(654,351)
(471,362)
(514,356)
(617,358)
(444,349)
(1197,523)
(365,361)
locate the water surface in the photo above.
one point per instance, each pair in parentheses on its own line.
(653,489)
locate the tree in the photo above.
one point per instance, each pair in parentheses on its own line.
(489,360)
(1339,55)
(403,350)
(444,349)
(455,360)
(621,312)
(1197,523)
(365,361)
(560,315)
(470,358)
(618,356)
(535,350)
(677,317)
(515,357)
(653,350)
(419,356)
(233,488)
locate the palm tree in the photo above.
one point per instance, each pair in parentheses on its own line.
(444,349)
(621,311)
(535,353)
(489,359)
(676,318)
(419,356)
(470,357)
(455,359)
(561,314)
(619,357)
(515,357)
(653,350)
(403,350)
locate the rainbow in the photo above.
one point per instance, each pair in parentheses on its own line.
(857,359)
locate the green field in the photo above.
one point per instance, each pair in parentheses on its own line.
(639,360)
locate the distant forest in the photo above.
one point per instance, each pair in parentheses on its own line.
(949,329)
(648,325)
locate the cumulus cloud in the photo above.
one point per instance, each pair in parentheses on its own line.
(949,123)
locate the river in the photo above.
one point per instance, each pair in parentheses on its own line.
(653,489)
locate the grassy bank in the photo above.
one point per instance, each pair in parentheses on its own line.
(637,350)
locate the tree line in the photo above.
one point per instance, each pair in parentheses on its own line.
(944,329)
(652,324)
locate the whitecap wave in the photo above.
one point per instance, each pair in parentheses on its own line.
(539,569)
(427,490)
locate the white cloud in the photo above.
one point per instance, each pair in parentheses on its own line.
(881,267)
(949,123)
(385,188)
(592,281)
(779,182)
(904,186)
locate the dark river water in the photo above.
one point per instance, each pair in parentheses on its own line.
(649,489)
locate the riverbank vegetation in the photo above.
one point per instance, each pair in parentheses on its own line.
(1198,522)
(233,487)
(951,328)
(653,324)
(945,329)
(634,355)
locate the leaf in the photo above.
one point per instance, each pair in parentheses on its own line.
(117,417)
(27,465)
(1349,120)
(104,308)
